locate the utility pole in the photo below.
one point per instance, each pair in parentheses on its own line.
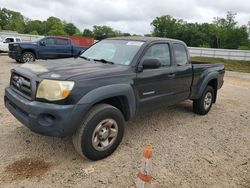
(45,32)
(248,29)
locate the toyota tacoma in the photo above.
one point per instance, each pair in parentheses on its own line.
(90,97)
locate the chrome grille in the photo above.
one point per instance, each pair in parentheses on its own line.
(21,83)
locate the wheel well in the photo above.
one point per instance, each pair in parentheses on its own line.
(29,50)
(214,83)
(120,102)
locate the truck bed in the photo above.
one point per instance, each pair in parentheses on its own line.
(201,66)
(202,70)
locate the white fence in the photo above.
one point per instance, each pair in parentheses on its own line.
(24,37)
(220,53)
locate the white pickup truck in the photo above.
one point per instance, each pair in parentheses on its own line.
(4,43)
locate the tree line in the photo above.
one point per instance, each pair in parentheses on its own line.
(222,33)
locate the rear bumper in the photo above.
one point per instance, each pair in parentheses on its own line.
(44,118)
(14,54)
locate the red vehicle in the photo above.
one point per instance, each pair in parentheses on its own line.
(80,41)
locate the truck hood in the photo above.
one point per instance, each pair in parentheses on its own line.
(64,69)
(24,43)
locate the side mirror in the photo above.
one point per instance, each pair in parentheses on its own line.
(42,43)
(151,64)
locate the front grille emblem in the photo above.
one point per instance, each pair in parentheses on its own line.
(19,82)
(22,84)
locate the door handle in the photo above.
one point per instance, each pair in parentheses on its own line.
(172,75)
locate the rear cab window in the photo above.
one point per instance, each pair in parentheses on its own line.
(62,42)
(180,54)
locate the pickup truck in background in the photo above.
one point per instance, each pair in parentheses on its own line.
(45,48)
(4,43)
(90,97)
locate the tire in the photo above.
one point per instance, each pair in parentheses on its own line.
(89,139)
(203,105)
(27,57)
(18,61)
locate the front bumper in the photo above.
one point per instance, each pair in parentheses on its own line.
(44,118)
(15,55)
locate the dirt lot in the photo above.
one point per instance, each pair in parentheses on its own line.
(189,150)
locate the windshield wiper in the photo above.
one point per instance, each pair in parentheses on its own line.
(83,57)
(104,61)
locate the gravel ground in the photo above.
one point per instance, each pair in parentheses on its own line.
(189,150)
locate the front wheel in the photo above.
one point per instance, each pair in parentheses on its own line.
(27,57)
(100,133)
(203,105)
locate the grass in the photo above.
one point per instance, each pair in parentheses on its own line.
(230,65)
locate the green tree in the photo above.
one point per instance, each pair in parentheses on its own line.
(126,34)
(54,26)
(87,33)
(148,35)
(33,32)
(35,25)
(166,26)
(102,32)
(56,30)
(228,34)
(70,29)
(11,20)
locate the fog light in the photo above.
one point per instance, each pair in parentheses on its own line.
(46,120)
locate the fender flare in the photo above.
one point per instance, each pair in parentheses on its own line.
(105,92)
(204,83)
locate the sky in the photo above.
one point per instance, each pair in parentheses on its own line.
(132,16)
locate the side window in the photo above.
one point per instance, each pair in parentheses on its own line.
(18,40)
(62,42)
(180,54)
(160,52)
(50,41)
(8,40)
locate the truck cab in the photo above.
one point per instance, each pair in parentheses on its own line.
(4,43)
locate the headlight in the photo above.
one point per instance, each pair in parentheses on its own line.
(53,90)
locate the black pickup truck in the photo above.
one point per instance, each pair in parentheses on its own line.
(45,48)
(90,97)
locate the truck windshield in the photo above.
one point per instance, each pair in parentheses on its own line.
(115,51)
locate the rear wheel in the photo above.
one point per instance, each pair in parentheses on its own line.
(203,105)
(27,57)
(100,133)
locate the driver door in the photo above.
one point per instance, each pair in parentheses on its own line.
(5,46)
(47,49)
(155,87)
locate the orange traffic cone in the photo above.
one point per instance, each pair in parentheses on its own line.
(145,171)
